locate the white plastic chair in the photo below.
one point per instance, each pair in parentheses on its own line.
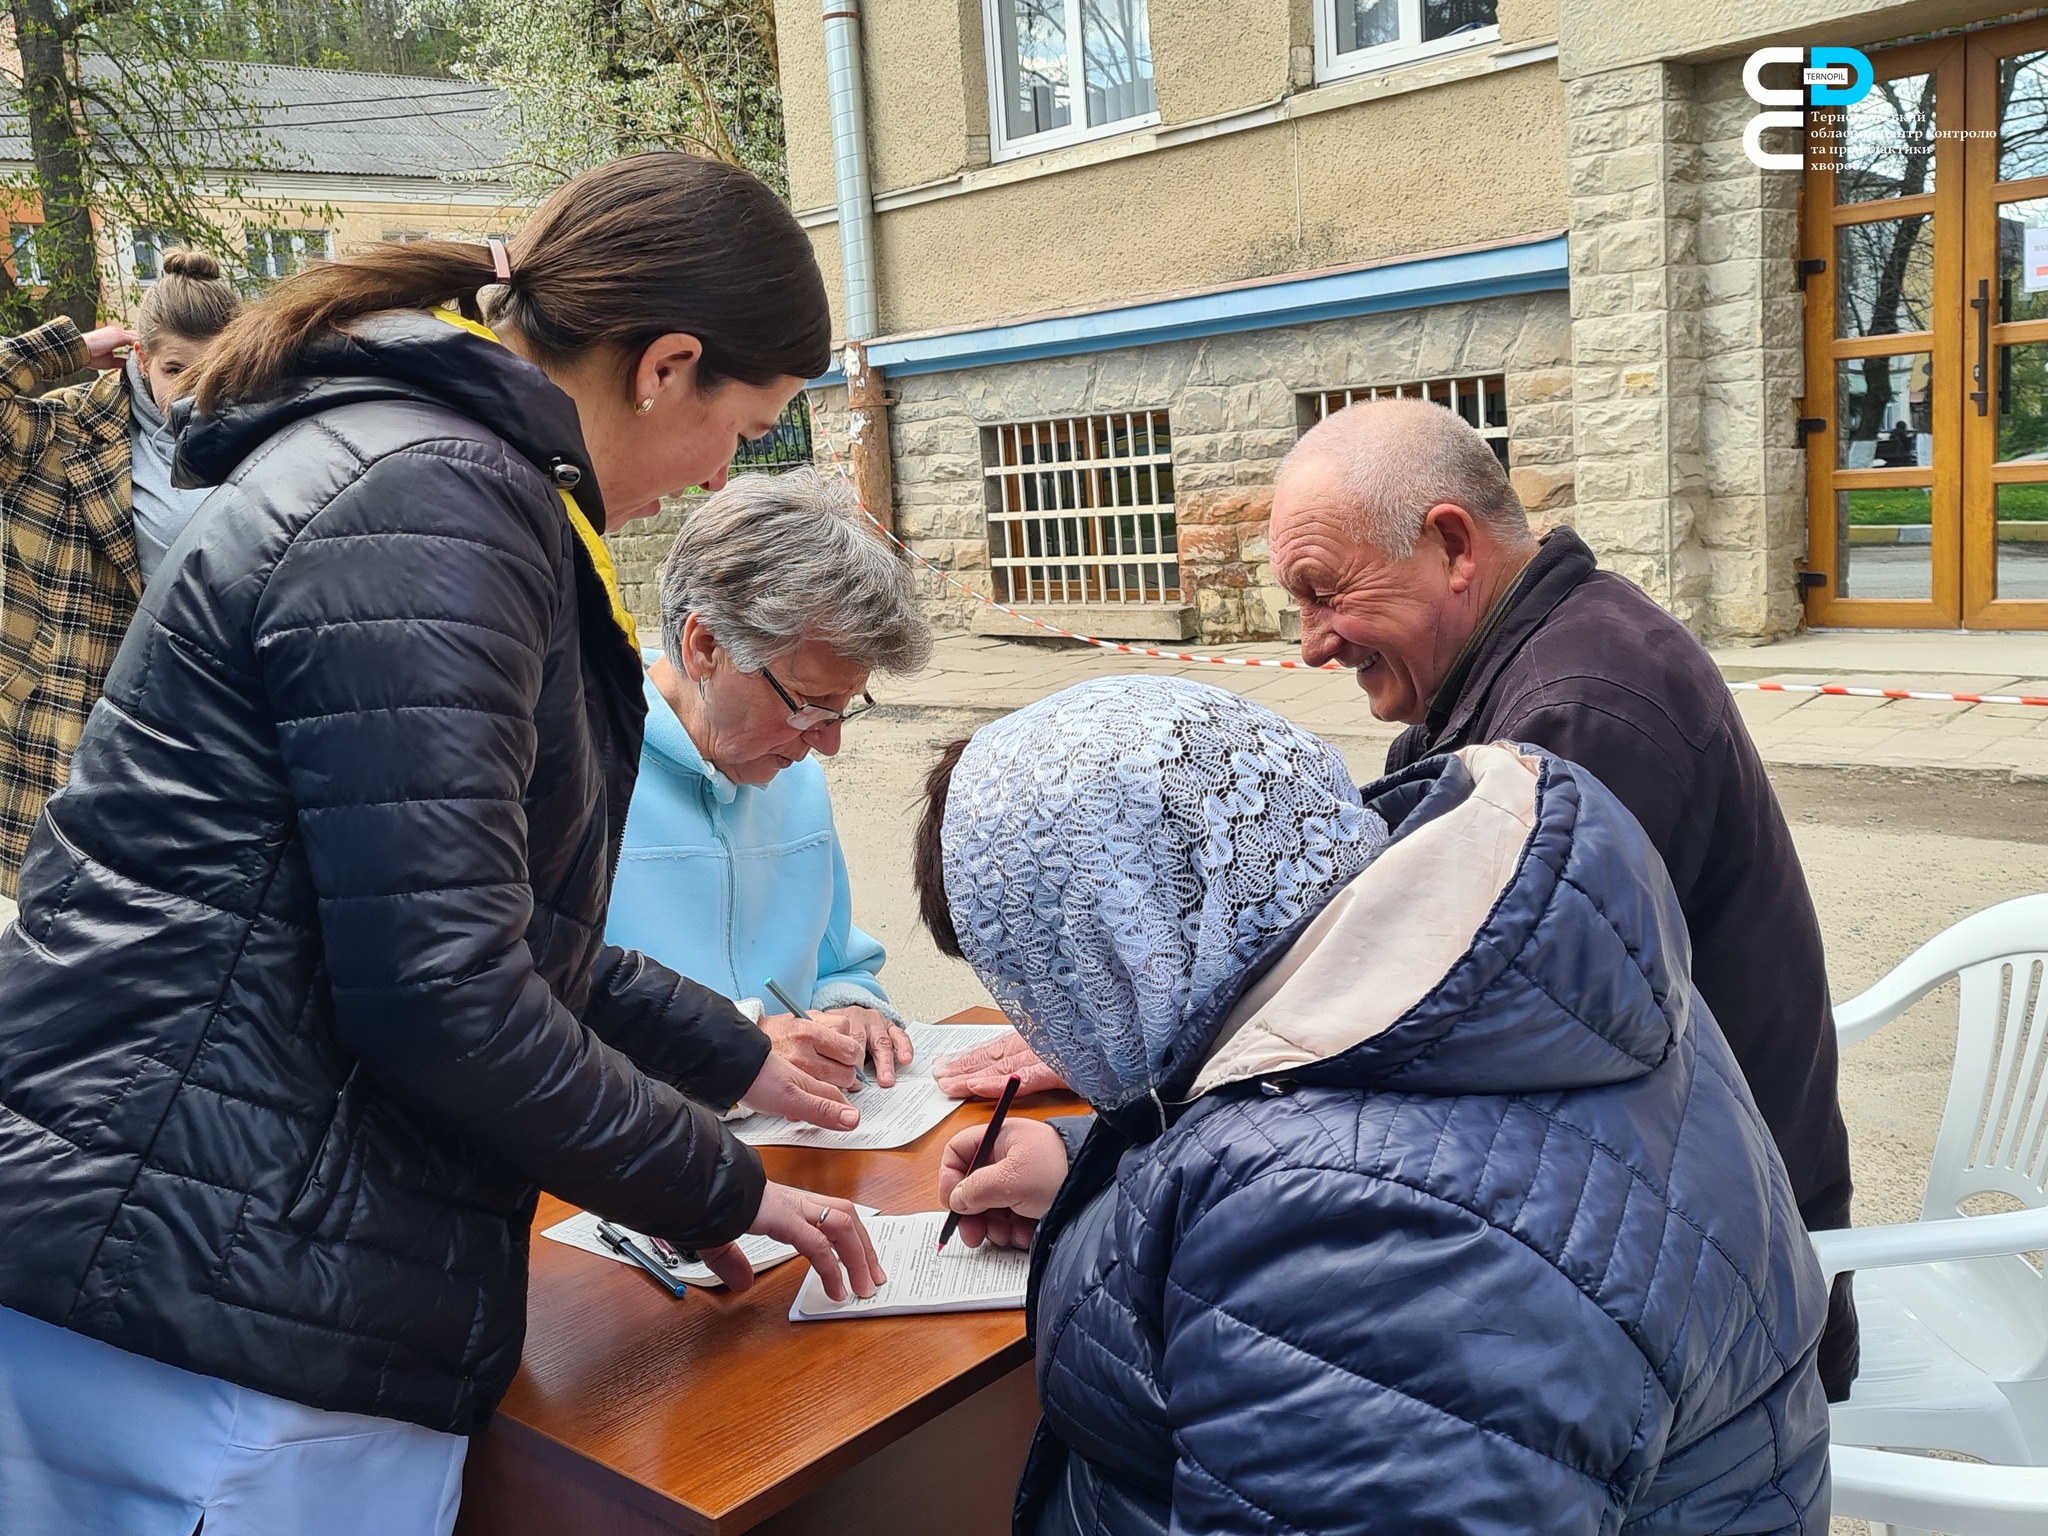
(1954,1319)
(1918,1492)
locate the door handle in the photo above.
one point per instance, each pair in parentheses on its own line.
(1980,374)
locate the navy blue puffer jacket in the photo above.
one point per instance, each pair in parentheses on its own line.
(1470,1226)
(309,995)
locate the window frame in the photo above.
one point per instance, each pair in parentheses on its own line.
(1406,49)
(22,257)
(156,240)
(297,244)
(1001,146)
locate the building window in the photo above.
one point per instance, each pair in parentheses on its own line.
(1482,401)
(1080,510)
(28,267)
(146,247)
(786,445)
(275,253)
(1065,70)
(1357,36)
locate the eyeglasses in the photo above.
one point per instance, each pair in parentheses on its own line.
(812,717)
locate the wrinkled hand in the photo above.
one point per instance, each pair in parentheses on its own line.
(830,1044)
(887,1046)
(818,1045)
(823,1228)
(101,345)
(1001,1201)
(780,1088)
(982,1072)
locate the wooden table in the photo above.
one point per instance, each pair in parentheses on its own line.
(633,1413)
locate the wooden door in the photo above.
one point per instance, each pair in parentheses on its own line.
(2005,260)
(1925,244)
(1883,250)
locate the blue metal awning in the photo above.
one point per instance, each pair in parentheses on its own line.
(1530,266)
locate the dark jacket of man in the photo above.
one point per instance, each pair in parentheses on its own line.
(1521,1260)
(309,991)
(1581,663)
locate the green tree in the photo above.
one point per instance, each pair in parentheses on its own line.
(589,80)
(127,129)
(376,36)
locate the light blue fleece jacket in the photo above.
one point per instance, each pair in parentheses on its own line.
(730,884)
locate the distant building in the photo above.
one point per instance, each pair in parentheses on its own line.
(1124,253)
(358,158)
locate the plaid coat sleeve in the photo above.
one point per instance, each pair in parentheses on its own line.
(67,537)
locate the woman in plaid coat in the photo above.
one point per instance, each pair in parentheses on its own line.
(86,510)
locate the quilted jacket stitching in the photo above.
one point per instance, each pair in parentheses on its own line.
(1605,1481)
(1231,1492)
(1738,1270)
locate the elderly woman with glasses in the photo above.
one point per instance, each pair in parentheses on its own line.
(777,604)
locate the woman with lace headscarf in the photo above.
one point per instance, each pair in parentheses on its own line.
(1422,1191)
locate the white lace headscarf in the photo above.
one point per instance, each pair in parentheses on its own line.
(1115,852)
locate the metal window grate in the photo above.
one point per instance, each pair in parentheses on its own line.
(1080,510)
(786,445)
(1482,400)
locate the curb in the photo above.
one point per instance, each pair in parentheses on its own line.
(2028,786)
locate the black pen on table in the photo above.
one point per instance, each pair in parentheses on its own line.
(988,1145)
(783,998)
(624,1246)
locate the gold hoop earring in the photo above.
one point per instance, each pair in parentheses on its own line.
(644,406)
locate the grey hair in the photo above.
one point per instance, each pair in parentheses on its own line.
(1399,457)
(773,560)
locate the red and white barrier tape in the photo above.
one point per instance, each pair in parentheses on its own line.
(1117,646)
(1842,691)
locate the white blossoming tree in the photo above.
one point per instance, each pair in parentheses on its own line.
(590,80)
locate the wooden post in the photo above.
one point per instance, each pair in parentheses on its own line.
(867,433)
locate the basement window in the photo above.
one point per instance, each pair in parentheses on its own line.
(1080,510)
(1481,399)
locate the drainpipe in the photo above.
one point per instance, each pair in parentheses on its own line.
(867,427)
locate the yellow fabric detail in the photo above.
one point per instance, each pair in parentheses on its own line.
(463,322)
(593,544)
(607,573)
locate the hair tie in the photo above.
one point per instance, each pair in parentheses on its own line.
(501,260)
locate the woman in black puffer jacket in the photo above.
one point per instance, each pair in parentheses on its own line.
(309,993)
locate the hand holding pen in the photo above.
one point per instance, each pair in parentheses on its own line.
(831,1044)
(981,1152)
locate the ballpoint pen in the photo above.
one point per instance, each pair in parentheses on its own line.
(624,1246)
(988,1145)
(782,997)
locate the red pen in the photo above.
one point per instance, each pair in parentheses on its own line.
(988,1145)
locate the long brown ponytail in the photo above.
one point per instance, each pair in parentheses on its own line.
(616,257)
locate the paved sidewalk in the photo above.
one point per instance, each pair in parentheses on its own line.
(1910,736)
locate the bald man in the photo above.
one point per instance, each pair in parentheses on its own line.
(1395,529)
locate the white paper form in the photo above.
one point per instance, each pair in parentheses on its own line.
(889,1117)
(580,1231)
(923,1279)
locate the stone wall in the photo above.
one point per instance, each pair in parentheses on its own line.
(1686,362)
(637,551)
(1235,411)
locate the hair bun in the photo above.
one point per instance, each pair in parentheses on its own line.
(186,262)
